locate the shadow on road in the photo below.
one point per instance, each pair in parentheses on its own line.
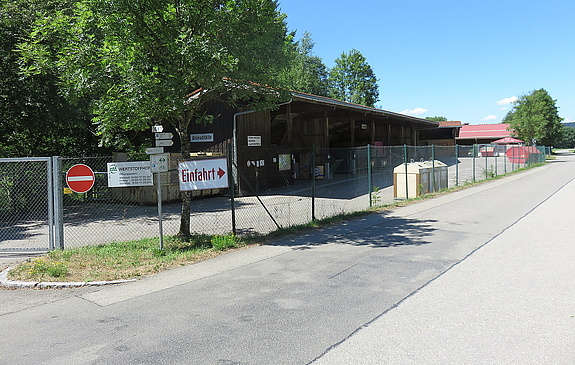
(377,230)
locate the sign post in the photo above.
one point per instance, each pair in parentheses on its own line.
(80,178)
(160,163)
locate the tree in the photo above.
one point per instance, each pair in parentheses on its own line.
(436,119)
(535,118)
(567,139)
(306,72)
(136,60)
(35,119)
(353,80)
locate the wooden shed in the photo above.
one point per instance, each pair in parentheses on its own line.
(262,140)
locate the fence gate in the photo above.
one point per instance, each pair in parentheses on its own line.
(27,204)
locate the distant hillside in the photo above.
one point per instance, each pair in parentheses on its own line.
(572,124)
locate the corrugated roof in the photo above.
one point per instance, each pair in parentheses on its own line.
(362,108)
(484,131)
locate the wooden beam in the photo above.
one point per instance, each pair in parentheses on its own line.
(326,129)
(352,132)
(289,125)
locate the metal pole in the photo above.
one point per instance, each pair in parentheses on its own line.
(160,213)
(474,152)
(232,189)
(456,165)
(58,203)
(406,178)
(486,163)
(312,171)
(432,168)
(51,195)
(369,182)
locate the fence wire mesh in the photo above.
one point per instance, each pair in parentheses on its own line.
(24,203)
(272,188)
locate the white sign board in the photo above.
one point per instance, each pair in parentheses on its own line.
(154,150)
(203,137)
(160,162)
(164,142)
(254,141)
(203,174)
(137,173)
(167,135)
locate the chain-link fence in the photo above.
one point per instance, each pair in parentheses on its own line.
(25,203)
(272,188)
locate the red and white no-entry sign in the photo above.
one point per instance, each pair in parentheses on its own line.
(80,178)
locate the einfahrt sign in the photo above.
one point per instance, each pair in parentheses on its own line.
(80,178)
(203,174)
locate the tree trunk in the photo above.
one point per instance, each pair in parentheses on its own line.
(186,196)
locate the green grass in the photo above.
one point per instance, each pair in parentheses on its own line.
(122,260)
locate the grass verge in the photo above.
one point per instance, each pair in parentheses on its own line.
(139,258)
(122,260)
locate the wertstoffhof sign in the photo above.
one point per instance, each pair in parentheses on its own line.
(136,173)
(203,174)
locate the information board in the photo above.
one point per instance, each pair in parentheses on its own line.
(203,174)
(136,173)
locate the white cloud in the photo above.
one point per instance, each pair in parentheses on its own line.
(490,117)
(416,111)
(507,100)
(568,120)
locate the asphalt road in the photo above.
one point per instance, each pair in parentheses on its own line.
(417,282)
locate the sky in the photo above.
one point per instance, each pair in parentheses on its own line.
(462,60)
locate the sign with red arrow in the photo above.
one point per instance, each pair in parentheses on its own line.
(80,178)
(203,174)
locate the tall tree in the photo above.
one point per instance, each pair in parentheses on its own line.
(35,119)
(352,79)
(306,72)
(535,118)
(138,59)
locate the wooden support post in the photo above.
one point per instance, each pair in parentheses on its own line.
(352,132)
(289,125)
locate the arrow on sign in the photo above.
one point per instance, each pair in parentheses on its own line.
(221,172)
(164,142)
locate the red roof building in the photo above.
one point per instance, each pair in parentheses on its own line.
(483,133)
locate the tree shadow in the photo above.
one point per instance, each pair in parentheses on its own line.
(376,230)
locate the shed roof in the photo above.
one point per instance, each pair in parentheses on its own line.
(325,101)
(484,131)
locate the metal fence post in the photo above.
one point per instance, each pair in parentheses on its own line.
(432,180)
(456,165)
(369,180)
(312,172)
(406,177)
(474,153)
(58,204)
(231,182)
(486,163)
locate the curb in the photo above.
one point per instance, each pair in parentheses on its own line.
(5,282)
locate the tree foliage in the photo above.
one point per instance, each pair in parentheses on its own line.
(535,118)
(35,119)
(137,60)
(352,79)
(437,119)
(306,72)
(567,139)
